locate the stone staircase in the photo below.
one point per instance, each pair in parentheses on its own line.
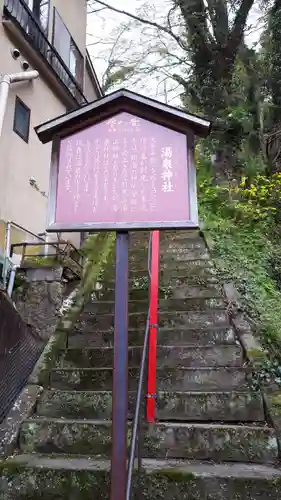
(211,440)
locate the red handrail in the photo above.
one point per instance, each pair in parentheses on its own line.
(153,323)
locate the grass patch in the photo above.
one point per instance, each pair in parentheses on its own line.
(242,256)
(41,262)
(176,476)
(247,243)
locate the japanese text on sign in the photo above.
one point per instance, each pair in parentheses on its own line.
(124,169)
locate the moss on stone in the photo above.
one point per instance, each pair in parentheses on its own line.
(39,262)
(177,476)
(276,400)
(9,467)
(48,358)
(46,484)
(66,437)
(277,481)
(274,407)
(256,354)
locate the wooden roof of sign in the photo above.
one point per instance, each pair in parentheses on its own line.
(122,101)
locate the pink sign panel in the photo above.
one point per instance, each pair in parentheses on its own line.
(124,170)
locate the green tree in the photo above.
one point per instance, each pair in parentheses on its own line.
(271,52)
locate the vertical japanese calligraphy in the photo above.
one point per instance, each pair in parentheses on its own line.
(167,169)
(68,164)
(96,160)
(77,174)
(87,166)
(124,169)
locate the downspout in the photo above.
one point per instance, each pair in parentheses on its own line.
(5,83)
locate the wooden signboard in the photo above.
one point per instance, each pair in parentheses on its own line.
(123,172)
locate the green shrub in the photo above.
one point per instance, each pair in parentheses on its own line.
(243,220)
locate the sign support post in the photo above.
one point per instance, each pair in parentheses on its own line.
(120,371)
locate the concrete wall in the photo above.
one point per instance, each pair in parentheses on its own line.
(89,89)
(39,299)
(19,161)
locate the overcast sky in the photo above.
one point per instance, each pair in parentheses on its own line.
(103,27)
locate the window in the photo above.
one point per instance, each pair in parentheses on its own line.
(21,119)
(67,48)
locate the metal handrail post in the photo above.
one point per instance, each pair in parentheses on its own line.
(135,440)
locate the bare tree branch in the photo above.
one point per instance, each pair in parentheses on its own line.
(94,11)
(153,24)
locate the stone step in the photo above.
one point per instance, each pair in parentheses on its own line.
(168,284)
(182,246)
(165,235)
(205,336)
(168,240)
(176,279)
(165,281)
(195,292)
(167,356)
(80,404)
(195,241)
(181,292)
(179,235)
(200,356)
(210,406)
(100,357)
(201,379)
(192,336)
(32,476)
(134,274)
(87,379)
(187,406)
(134,255)
(168,379)
(191,304)
(138,245)
(175,319)
(169,256)
(170,304)
(199,267)
(106,307)
(218,442)
(140,236)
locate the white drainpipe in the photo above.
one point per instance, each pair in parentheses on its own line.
(12,281)
(5,83)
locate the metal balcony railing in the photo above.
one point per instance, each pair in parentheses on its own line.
(19,12)
(58,251)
